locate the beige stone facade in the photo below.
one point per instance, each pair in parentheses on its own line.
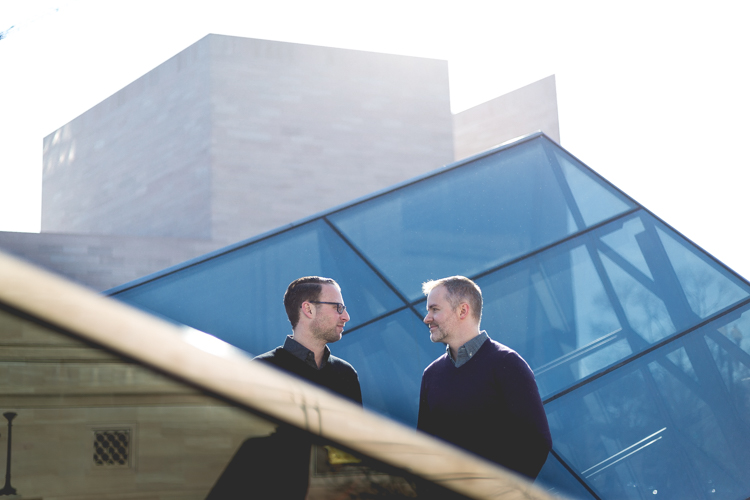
(103,261)
(233,137)
(236,136)
(518,113)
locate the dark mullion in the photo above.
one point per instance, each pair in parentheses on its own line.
(366,261)
(630,269)
(729,346)
(634,339)
(564,186)
(376,319)
(371,266)
(574,473)
(552,245)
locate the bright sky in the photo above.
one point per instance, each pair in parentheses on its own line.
(654,95)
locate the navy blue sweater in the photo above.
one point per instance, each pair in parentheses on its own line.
(490,406)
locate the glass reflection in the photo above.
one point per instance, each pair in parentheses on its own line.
(664,286)
(557,480)
(730,349)
(661,424)
(91,425)
(553,310)
(589,303)
(706,291)
(645,311)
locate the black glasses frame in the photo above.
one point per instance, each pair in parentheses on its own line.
(340,308)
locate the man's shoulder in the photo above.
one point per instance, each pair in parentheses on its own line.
(439,364)
(496,350)
(271,355)
(337,363)
(504,355)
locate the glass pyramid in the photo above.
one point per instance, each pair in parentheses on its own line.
(640,341)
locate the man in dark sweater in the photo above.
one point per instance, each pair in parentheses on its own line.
(480,395)
(277,466)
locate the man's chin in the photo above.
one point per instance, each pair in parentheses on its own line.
(336,337)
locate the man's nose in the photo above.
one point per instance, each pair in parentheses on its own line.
(346,315)
(427,319)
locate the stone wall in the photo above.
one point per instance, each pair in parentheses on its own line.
(138,163)
(236,136)
(515,114)
(298,129)
(233,137)
(102,261)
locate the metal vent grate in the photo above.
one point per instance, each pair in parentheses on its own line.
(112,448)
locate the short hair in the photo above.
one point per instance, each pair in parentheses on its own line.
(459,288)
(301,290)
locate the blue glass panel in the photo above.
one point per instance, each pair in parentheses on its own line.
(238,296)
(553,309)
(622,242)
(662,283)
(390,356)
(557,480)
(664,424)
(595,300)
(645,310)
(596,200)
(730,348)
(462,221)
(707,289)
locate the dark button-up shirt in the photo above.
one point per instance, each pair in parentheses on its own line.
(466,351)
(301,352)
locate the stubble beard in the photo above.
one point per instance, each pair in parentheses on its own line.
(328,335)
(438,335)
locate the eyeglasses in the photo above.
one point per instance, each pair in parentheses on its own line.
(340,308)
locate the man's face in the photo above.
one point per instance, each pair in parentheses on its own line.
(441,317)
(328,325)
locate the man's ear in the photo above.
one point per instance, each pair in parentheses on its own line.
(307,310)
(463,310)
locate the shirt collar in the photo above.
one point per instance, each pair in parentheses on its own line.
(468,350)
(303,353)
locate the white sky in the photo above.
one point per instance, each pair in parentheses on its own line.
(652,94)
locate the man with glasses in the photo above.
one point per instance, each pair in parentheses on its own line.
(278,466)
(317,313)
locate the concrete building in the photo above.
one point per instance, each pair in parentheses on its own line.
(233,137)
(528,109)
